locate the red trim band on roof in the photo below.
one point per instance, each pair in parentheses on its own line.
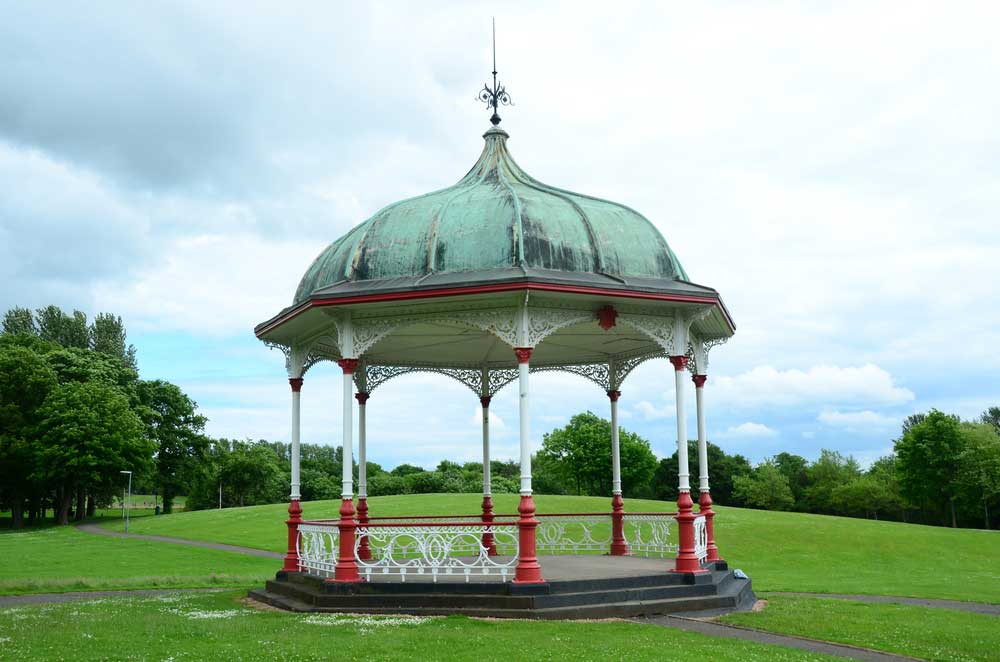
(483,289)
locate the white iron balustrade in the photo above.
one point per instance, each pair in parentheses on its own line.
(573,533)
(651,534)
(447,549)
(700,538)
(317,548)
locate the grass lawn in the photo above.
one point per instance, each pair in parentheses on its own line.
(58,559)
(780,551)
(936,634)
(217,626)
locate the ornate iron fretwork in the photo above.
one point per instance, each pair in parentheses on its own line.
(497,95)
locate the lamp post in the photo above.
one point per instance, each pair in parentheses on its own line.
(128,510)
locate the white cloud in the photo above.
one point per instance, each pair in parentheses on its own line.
(651,412)
(749,430)
(765,386)
(857,419)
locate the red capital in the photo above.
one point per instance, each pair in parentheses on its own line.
(614,395)
(348,365)
(296,383)
(523,354)
(699,380)
(680,362)
(485,401)
(606,317)
(362,397)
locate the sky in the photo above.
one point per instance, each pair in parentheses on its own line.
(833,169)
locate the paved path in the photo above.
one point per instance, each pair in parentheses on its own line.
(52,598)
(100,530)
(760,637)
(976,607)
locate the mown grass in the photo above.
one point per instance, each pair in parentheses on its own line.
(780,551)
(935,634)
(59,559)
(218,627)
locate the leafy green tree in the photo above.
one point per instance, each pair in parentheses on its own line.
(722,471)
(928,463)
(827,473)
(796,469)
(406,469)
(991,417)
(173,424)
(580,455)
(767,488)
(107,336)
(979,464)
(26,380)
(19,321)
(67,330)
(87,434)
(251,472)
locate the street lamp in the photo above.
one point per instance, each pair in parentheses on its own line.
(127,512)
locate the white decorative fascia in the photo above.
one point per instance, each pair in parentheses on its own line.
(599,373)
(698,351)
(662,329)
(622,368)
(367,332)
(543,322)
(501,322)
(298,358)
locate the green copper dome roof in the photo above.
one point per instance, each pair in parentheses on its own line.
(496,218)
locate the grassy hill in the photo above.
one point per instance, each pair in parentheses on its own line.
(780,551)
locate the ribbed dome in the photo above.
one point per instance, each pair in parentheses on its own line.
(497,217)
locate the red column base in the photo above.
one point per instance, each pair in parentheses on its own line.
(686,561)
(293,521)
(489,541)
(347,567)
(528,571)
(705,508)
(364,551)
(619,546)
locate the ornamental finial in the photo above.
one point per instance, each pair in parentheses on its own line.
(496,95)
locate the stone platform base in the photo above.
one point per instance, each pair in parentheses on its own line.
(576,587)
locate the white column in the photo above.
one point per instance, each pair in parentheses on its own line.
(702,437)
(348,443)
(616,464)
(682,447)
(487,480)
(525,428)
(362,459)
(296,410)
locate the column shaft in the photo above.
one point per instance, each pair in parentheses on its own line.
(705,498)
(528,571)
(489,540)
(347,567)
(364,549)
(686,561)
(619,546)
(291,563)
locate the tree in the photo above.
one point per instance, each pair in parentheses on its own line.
(56,326)
(87,434)
(928,462)
(979,464)
(991,417)
(251,472)
(827,473)
(26,380)
(580,454)
(722,471)
(765,488)
(173,424)
(107,336)
(19,321)
(911,420)
(796,469)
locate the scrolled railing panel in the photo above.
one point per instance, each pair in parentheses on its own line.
(317,548)
(573,533)
(437,550)
(650,535)
(700,538)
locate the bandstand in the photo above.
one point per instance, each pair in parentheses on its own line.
(489,282)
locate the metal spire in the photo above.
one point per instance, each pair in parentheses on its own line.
(497,95)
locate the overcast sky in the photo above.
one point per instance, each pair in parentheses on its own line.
(833,169)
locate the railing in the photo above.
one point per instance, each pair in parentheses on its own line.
(436,549)
(700,538)
(453,545)
(651,534)
(316,546)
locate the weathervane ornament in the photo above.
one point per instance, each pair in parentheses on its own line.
(497,95)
